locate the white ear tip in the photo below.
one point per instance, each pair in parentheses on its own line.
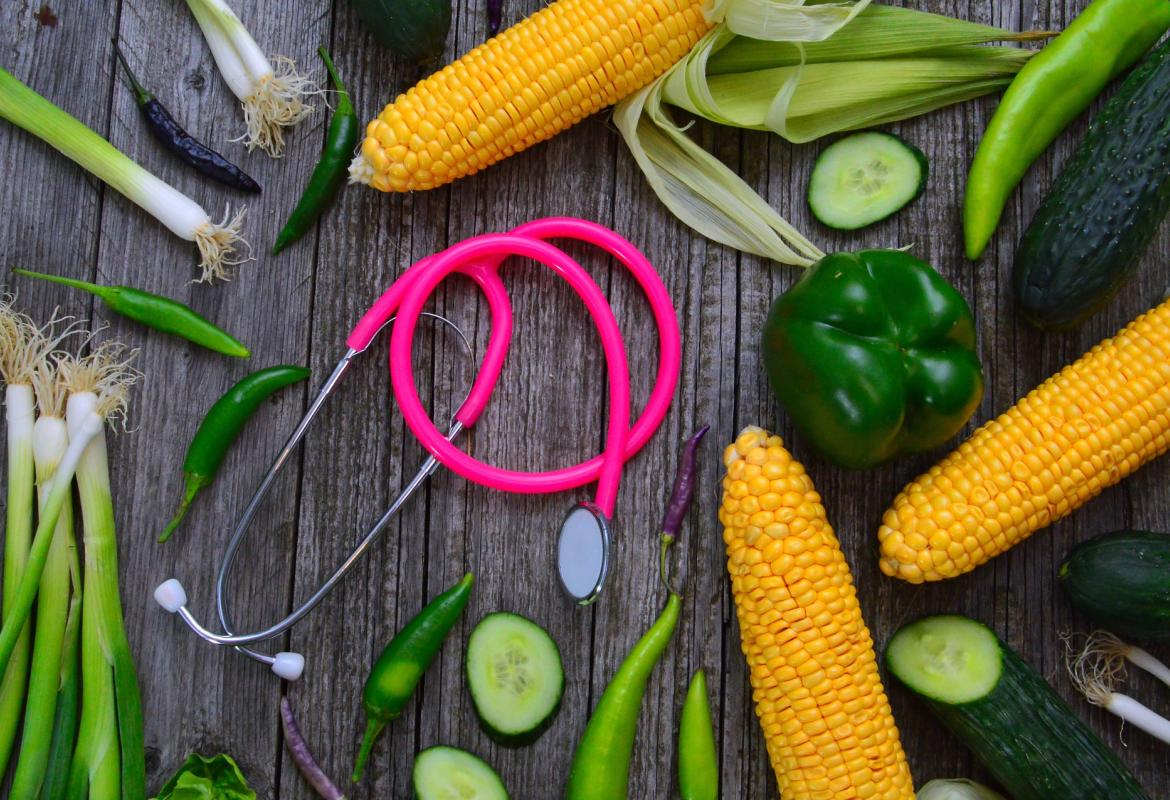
(288,665)
(171,595)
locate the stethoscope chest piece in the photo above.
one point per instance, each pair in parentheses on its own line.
(583,552)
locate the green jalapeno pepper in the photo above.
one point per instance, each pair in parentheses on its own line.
(873,356)
(331,170)
(220,428)
(154,311)
(601,764)
(1047,94)
(698,761)
(397,671)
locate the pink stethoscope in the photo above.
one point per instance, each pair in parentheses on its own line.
(584,544)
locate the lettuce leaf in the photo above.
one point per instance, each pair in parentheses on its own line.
(200,778)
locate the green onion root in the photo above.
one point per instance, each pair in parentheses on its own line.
(1099,665)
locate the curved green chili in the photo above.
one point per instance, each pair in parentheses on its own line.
(398,670)
(331,170)
(1047,94)
(154,311)
(220,428)
(698,761)
(601,764)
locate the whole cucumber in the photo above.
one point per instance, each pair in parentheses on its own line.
(1088,238)
(1121,581)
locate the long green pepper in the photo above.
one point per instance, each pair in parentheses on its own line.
(332,169)
(1047,94)
(601,764)
(155,311)
(220,428)
(698,760)
(402,663)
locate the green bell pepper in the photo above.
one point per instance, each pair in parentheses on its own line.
(873,357)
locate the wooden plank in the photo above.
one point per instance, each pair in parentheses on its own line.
(195,692)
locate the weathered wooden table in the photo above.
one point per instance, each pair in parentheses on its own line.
(297,308)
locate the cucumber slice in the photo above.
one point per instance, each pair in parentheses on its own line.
(448,773)
(864,178)
(950,659)
(515,676)
(1014,723)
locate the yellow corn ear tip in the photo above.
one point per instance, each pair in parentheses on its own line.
(827,723)
(1081,431)
(562,64)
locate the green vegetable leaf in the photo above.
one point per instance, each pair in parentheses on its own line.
(215,778)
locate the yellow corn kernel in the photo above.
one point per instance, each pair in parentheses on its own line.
(1078,433)
(567,61)
(827,724)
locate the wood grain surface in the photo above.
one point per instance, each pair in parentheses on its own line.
(548,410)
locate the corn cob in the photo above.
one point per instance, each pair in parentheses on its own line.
(567,61)
(827,723)
(1081,431)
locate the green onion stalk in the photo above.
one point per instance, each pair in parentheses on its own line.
(801,71)
(23,348)
(64,735)
(109,760)
(55,597)
(185,218)
(272,98)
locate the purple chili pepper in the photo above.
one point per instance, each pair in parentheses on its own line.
(495,14)
(684,485)
(303,758)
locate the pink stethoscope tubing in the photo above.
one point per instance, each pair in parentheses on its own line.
(480,258)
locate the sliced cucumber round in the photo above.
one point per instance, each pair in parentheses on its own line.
(864,178)
(448,773)
(515,676)
(950,659)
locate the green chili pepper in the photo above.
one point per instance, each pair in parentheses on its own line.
(220,428)
(401,665)
(601,765)
(698,762)
(154,311)
(331,170)
(1047,94)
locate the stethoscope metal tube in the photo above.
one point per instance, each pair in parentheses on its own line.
(585,533)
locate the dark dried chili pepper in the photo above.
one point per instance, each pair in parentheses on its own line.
(332,169)
(178,141)
(680,499)
(303,757)
(220,428)
(155,311)
(495,15)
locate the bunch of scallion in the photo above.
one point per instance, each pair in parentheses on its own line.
(802,71)
(82,732)
(272,97)
(185,218)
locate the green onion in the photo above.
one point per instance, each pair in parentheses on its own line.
(802,71)
(109,760)
(272,99)
(185,218)
(23,349)
(1100,664)
(54,598)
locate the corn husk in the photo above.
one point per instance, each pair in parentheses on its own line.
(826,68)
